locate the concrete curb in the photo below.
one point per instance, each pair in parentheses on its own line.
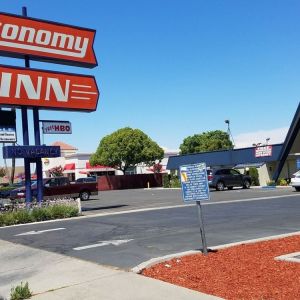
(291,257)
(139,268)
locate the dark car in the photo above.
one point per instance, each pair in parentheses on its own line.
(222,178)
(86,179)
(5,191)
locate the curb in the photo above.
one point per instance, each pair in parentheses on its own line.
(153,261)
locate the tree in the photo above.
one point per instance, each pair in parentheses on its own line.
(2,172)
(125,148)
(206,141)
(56,171)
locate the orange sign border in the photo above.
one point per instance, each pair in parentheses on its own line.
(92,104)
(21,53)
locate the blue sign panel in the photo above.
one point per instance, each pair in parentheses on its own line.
(30,151)
(194,182)
(298,163)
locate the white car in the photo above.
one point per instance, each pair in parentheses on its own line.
(295,181)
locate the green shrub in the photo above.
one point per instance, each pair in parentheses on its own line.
(20,292)
(62,211)
(171,181)
(253,172)
(9,219)
(23,216)
(41,214)
(175,182)
(271,183)
(7,188)
(166,180)
(38,214)
(282,182)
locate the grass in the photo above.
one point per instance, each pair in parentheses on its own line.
(20,292)
(22,216)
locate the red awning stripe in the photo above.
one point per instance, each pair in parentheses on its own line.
(88,166)
(69,167)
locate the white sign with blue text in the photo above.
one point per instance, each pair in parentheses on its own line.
(194,182)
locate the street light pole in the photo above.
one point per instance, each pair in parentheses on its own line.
(229,132)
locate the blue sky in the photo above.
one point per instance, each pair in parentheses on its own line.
(175,68)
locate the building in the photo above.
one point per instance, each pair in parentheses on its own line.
(271,161)
(75,165)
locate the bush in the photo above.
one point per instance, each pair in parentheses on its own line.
(282,182)
(41,214)
(171,181)
(38,214)
(22,217)
(62,211)
(271,183)
(166,180)
(254,176)
(20,292)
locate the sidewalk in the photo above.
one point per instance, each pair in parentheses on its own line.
(55,276)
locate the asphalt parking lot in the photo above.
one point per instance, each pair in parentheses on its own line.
(126,228)
(124,200)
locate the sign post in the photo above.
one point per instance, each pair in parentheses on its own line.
(28,193)
(195,188)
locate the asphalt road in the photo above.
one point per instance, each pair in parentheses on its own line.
(129,238)
(117,201)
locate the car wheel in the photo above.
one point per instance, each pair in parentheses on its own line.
(230,187)
(246,184)
(84,196)
(297,188)
(220,186)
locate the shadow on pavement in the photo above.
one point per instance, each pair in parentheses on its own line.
(103,207)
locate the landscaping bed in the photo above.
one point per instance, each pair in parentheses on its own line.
(18,213)
(247,271)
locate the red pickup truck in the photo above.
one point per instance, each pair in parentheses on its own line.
(56,187)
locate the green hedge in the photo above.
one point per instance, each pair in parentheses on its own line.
(171,181)
(38,214)
(253,172)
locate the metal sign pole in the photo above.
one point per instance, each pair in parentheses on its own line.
(26,136)
(202,231)
(39,169)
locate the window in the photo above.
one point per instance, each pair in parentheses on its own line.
(234,172)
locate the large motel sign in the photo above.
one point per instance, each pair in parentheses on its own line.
(28,38)
(46,40)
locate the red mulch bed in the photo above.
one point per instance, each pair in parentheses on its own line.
(248,271)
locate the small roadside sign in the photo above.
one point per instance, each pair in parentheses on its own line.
(56,127)
(194,182)
(195,188)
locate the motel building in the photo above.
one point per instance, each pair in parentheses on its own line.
(272,161)
(76,165)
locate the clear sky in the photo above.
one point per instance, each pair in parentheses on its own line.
(175,68)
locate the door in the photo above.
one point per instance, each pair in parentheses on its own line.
(235,178)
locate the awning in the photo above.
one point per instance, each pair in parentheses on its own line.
(83,172)
(249,165)
(97,168)
(69,167)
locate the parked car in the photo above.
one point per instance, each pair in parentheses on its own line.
(295,181)
(86,179)
(59,187)
(5,191)
(227,178)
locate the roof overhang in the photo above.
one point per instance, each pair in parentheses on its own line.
(291,144)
